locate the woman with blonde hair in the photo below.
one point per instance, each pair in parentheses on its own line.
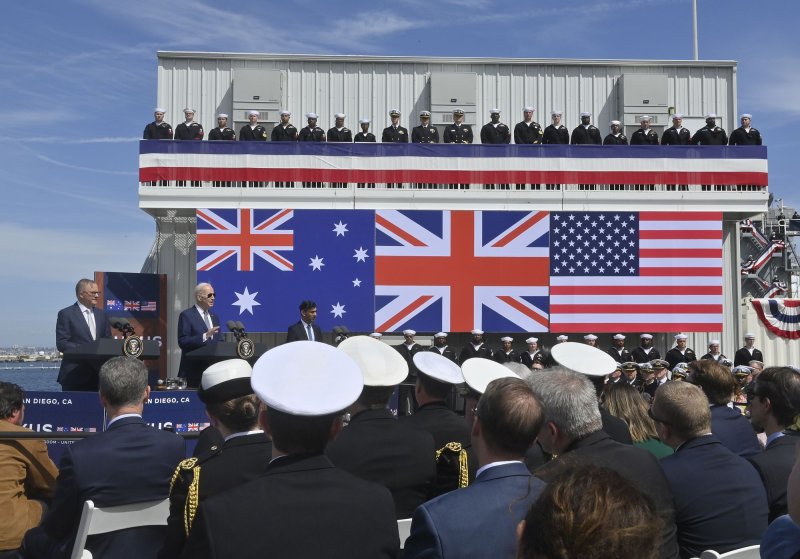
(626,403)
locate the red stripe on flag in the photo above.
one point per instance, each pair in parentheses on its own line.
(535,218)
(523,309)
(680,234)
(636,290)
(680,216)
(557,328)
(383,222)
(272,220)
(217,260)
(407,311)
(635,309)
(680,253)
(682,271)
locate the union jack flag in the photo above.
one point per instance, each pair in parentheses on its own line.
(132,305)
(193,426)
(245,235)
(458,270)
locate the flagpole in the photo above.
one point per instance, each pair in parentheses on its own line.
(694,29)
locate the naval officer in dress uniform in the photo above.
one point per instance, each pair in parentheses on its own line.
(527,131)
(458,132)
(680,353)
(615,137)
(529,357)
(222,132)
(394,133)
(285,131)
(555,133)
(475,348)
(365,135)
(339,132)
(745,135)
(590,339)
(189,129)
(586,132)
(506,354)
(440,346)
(645,352)
(405,399)
(618,351)
(710,134)
(425,133)
(644,135)
(676,135)
(158,129)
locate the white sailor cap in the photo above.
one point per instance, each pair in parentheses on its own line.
(409,332)
(556,112)
(528,109)
(458,111)
(749,336)
(532,340)
(619,337)
(613,122)
(479,372)
(585,114)
(256,113)
(562,338)
(284,112)
(380,364)
(364,120)
(677,116)
(188,110)
(646,336)
(681,337)
(476,332)
(645,117)
(307,378)
(221,115)
(746,115)
(225,380)
(425,113)
(506,339)
(713,342)
(340,115)
(394,112)
(376,335)
(711,115)
(494,111)
(585,359)
(312,115)
(438,367)
(590,337)
(440,335)
(159,110)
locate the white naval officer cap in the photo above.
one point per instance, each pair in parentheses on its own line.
(648,118)
(590,337)
(476,332)
(159,110)
(528,109)
(562,338)
(619,337)
(394,112)
(532,340)
(364,120)
(613,122)
(506,339)
(585,114)
(312,115)
(225,380)
(438,367)
(307,378)
(221,115)
(440,335)
(583,358)
(556,112)
(376,335)
(425,113)
(711,115)
(494,111)
(340,115)
(409,332)
(380,364)
(188,110)
(646,336)
(458,111)
(478,372)
(746,115)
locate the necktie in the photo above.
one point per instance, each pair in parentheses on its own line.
(90,322)
(310,332)
(207,320)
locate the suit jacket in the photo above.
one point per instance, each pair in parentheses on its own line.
(302,507)
(131,462)
(743,356)
(774,466)
(26,475)
(191,328)
(636,465)
(232,463)
(734,431)
(720,503)
(71,332)
(297,332)
(376,447)
(478,521)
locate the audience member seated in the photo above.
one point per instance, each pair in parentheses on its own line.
(480,520)
(590,513)
(130,462)
(774,400)
(720,502)
(729,426)
(626,403)
(242,456)
(27,475)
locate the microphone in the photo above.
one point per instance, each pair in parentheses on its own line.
(240,326)
(231,326)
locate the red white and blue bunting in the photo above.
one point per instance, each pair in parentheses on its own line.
(780,316)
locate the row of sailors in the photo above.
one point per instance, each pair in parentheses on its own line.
(494,132)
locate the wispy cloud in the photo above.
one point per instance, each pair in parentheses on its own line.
(52,161)
(63,140)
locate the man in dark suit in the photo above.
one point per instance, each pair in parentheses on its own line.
(709,514)
(130,462)
(303,506)
(574,431)
(375,446)
(197,327)
(76,325)
(774,403)
(305,329)
(440,346)
(481,520)
(749,352)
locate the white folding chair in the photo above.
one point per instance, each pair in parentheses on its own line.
(750,552)
(404,529)
(96,520)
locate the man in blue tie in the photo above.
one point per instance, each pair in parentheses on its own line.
(305,329)
(197,327)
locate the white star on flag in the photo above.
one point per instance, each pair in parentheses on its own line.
(246,301)
(338,310)
(361,254)
(340,228)
(316,263)
(356,282)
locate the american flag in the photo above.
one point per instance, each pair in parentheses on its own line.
(149,306)
(635,271)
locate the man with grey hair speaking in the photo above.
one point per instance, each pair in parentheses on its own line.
(197,327)
(573,430)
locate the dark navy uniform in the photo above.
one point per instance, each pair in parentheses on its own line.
(408,354)
(710,136)
(639,355)
(709,356)
(423,134)
(553,135)
(447,352)
(742,137)
(343,135)
(623,356)
(644,138)
(279,133)
(743,356)
(528,359)
(674,356)
(375,446)
(441,422)
(157,131)
(527,133)
(237,461)
(222,134)
(192,131)
(676,137)
(255,134)
(612,140)
(491,134)
(361,137)
(458,134)
(395,135)
(586,135)
(469,351)
(502,357)
(309,134)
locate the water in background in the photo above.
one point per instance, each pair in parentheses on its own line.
(37,376)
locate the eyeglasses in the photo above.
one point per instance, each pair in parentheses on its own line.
(211,295)
(654,418)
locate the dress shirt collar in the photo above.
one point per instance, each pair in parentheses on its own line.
(773,436)
(83,308)
(123,416)
(243,434)
(495,464)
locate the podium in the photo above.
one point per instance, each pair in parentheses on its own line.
(81,365)
(220,351)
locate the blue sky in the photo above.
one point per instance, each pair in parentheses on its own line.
(79,84)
